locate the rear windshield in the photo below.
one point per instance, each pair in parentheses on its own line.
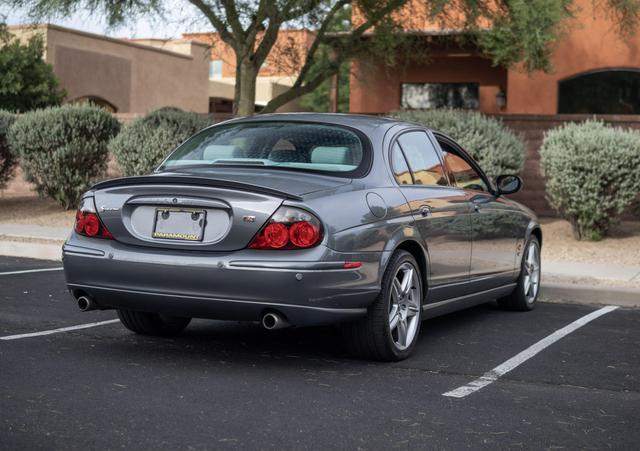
(279,145)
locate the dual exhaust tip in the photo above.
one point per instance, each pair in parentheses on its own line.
(270,320)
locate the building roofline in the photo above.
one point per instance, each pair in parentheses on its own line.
(49,26)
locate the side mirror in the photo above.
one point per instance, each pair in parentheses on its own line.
(508,184)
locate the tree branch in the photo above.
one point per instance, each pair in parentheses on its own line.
(219,25)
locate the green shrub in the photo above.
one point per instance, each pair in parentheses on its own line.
(63,149)
(592,174)
(8,159)
(145,142)
(488,141)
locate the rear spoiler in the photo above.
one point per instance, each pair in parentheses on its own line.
(192,180)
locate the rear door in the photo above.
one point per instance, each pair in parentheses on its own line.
(494,231)
(441,212)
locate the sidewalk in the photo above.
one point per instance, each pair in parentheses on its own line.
(22,240)
(561,280)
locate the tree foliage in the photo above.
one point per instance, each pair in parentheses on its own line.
(26,81)
(509,31)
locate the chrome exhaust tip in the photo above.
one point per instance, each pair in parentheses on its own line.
(85,304)
(273,321)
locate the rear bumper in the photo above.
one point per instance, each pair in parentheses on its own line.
(308,287)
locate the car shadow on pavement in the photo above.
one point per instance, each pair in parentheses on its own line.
(242,341)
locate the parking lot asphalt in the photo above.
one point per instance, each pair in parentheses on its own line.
(233,385)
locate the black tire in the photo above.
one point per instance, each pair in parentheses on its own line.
(152,323)
(519,300)
(371,337)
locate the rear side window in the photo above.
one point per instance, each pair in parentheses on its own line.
(278,145)
(423,160)
(400,169)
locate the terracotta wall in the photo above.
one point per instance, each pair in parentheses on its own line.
(592,43)
(376,89)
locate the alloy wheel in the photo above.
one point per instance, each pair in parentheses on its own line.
(404,306)
(531,283)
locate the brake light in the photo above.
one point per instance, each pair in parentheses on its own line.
(289,228)
(88,223)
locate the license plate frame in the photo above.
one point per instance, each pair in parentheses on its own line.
(171,232)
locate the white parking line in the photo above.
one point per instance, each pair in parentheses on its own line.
(57,331)
(25,271)
(515,361)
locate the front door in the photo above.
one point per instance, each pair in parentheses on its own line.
(441,212)
(494,233)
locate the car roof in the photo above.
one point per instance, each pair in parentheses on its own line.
(363,122)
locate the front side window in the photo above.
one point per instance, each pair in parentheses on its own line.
(440,95)
(277,145)
(424,163)
(461,173)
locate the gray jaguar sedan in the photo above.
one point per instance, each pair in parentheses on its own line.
(306,219)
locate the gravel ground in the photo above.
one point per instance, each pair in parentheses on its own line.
(19,208)
(622,247)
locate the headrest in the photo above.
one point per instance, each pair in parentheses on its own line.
(331,155)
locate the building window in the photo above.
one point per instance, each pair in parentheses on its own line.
(215,69)
(602,92)
(440,95)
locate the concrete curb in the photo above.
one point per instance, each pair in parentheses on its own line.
(590,294)
(49,250)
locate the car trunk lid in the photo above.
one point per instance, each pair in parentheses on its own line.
(189,211)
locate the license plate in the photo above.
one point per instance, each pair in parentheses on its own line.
(179,224)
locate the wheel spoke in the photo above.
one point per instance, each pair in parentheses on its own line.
(393,323)
(396,289)
(407,282)
(527,285)
(402,332)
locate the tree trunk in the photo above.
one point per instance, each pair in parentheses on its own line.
(246,95)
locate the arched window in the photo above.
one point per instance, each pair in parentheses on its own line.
(614,91)
(97,101)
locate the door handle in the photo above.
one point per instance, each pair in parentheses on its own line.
(476,208)
(425,211)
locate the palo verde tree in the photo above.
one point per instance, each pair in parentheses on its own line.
(509,31)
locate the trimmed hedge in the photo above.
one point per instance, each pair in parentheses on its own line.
(145,142)
(8,158)
(486,139)
(63,149)
(592,174)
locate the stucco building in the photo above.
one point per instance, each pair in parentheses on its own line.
(125,76)
(595,71)
(277,74)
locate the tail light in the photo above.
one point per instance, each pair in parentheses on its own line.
(289,228)
(88,222)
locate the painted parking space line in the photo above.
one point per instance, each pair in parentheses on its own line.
(26,271)
(502,369)
(59,330)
